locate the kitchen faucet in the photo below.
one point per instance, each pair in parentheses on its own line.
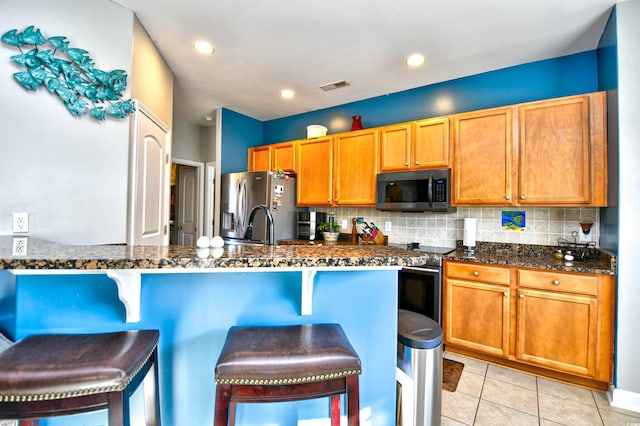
(248,233)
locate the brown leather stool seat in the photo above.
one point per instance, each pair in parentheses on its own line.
(287,363)
(62,374)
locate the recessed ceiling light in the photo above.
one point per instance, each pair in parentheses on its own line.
(415,60)
(287,93)
(203,47)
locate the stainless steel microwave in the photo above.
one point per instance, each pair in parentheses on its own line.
(420,191)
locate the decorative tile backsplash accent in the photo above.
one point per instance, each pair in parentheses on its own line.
(544,225)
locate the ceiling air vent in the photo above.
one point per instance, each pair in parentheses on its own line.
(336,85)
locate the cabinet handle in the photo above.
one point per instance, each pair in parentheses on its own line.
(329,200)
(508,197)
(336,200)
(505,293)
(476,273)
(556,282)
(406,164)
(522,197)
(417,163)
(522,296)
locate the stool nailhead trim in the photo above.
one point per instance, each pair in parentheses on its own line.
(75,393)
(287,381)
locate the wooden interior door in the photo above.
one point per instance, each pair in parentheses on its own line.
(355,168)
(149,214)
(482,157)
(554,152)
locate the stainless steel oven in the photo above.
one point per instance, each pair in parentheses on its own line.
(420,287)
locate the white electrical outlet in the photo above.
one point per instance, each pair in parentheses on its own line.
(344,223)
(20,246)
(387,226)
(20,222)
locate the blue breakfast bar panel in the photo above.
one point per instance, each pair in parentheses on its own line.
(193,312)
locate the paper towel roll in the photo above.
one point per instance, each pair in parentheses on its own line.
(469,235)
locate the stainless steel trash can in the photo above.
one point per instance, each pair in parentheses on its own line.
(419,370)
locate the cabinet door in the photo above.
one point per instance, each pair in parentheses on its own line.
(476,316)
(259,158)
(557,330)
(284,156)
(395,143)
(315,170)
(355,168)
(430,146)
(482,158)
(554,152)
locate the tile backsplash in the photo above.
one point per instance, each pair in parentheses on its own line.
(544,225)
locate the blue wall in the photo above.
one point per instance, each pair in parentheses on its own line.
(193,312)
(239,132)
(567,75)
(608,80)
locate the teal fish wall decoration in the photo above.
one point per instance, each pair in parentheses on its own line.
(73,77)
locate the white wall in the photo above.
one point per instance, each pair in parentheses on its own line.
(628,336)
(68,173)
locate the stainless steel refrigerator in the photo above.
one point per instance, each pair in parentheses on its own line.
(242,192)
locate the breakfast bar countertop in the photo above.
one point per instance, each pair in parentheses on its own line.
(41,254)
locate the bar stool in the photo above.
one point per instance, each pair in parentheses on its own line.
(287,363)
(63,374)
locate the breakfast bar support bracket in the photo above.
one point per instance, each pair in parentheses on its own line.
(129,287)
(306,305)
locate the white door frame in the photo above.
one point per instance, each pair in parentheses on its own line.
(209,188)
(133,172)
(200,171)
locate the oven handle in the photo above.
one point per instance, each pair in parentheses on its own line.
(418,269)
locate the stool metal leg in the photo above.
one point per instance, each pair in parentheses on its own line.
(353,401)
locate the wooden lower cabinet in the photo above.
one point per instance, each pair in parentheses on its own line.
(557,330)
(550,323)
(477,316)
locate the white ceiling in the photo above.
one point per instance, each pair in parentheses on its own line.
(264,46)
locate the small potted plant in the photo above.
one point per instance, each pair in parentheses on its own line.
(330,231)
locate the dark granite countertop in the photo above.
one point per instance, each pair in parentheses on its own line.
(49,255)
(592,260)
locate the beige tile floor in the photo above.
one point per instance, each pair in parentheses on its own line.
(492,395)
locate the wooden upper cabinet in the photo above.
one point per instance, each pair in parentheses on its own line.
(315,171)
(557,159)
(355,168)
(284,156)
(482,157)
(259,158)
(430,144)
(395,146)
(418,145)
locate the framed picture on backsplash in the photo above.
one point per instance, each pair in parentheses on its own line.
(514,221)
